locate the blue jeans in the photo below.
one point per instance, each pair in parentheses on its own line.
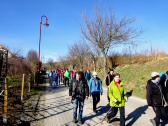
(78,103)
(59,79)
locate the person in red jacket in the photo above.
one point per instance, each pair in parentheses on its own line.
(73,74)
(59,76)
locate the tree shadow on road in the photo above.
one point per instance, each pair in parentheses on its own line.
(50,89)
(101,111)
(136,114)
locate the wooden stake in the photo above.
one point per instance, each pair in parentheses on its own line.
(5,103)
(22,91)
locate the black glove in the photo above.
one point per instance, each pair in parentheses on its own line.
(118,102)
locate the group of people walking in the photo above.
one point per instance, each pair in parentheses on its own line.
(55,77)
(83,86)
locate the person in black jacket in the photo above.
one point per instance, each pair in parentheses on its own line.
(109,79)
(78,91)
(155,98)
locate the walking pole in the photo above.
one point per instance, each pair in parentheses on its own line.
(22,91)
(5,103)
(29,86)
(29,82)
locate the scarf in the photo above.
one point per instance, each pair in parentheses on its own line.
(118,83)
(155,82)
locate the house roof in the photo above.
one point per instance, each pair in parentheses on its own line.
(4,49)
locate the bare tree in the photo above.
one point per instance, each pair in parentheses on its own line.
(106,32)
(32,57)
(51,63)
(17,64)
(72,60)
(63,61)
(94,54)
(79,51)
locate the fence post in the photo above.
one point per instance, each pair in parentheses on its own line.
(34,78)
(5,103)
(22,91)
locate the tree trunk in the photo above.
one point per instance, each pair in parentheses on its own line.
(105,64)
(95,65)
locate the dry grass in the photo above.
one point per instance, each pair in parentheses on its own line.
(136,75)
(120,60)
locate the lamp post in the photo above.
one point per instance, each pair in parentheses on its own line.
(46,24)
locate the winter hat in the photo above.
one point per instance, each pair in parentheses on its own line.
(155,75)
(94,73)
(161,74)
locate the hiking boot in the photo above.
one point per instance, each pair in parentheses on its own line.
(153,122)
(75,120)
(95,111)
(107,120)
(81,122)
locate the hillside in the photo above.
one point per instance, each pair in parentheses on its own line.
(136,75)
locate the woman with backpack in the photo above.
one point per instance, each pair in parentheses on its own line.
(88,75)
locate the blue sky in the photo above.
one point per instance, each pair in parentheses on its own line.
(19,23)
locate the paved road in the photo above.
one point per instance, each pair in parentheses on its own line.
(55,109)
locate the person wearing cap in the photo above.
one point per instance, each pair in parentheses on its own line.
(117,100)
(155,99)
(88,75)
(95,87)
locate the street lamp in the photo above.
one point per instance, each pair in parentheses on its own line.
(46,24)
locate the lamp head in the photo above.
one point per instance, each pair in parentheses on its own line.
(47,24)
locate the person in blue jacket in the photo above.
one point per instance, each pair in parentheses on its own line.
(88,75)
(95,88)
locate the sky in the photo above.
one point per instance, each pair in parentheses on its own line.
(20,23)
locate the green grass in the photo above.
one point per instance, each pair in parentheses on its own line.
(35,92)
(135,76)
